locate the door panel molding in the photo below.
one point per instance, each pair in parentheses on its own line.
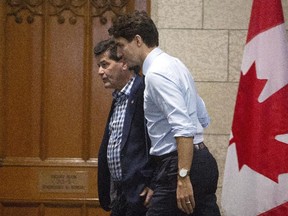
(50,162)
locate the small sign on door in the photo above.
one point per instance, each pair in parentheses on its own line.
(63,181)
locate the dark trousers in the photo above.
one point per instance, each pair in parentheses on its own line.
(121,207)
(204,177)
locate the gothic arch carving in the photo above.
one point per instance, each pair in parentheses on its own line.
(58,7)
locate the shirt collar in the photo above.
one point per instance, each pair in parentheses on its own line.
(149,59)
(125,91)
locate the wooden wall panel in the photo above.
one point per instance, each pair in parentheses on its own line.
(64,88)
(63,211)
(2,106)
(22,88)
(27,209)
(24,183)
(53,106)
(20,210)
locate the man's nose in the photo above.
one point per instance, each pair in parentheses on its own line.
(100,71)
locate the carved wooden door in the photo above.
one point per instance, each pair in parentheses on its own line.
(53,106)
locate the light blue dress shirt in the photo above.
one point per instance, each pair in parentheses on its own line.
(172,105)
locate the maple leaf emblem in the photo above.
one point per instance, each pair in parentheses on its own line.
(255,126)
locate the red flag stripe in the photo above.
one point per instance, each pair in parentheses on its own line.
(265,15)
(277,211)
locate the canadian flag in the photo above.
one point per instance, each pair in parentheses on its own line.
(256,170)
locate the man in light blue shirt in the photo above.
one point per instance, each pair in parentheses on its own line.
(186,175)
(169,103)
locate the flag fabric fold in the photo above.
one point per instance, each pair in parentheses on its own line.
(256,169)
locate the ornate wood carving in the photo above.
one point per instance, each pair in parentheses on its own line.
(33,6)
(74,6)
(100,7)
(57,7)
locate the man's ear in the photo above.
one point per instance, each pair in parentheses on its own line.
(139,40)
(124,66)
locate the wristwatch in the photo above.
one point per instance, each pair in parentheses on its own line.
(183,172)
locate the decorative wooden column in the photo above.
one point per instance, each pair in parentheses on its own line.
(2,50)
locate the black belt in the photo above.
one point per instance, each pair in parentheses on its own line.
(197,147)
(162,157)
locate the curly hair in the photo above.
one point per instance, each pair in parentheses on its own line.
(137,23)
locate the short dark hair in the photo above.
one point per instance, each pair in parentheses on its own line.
(107,45)
(110,45)
(129,25)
